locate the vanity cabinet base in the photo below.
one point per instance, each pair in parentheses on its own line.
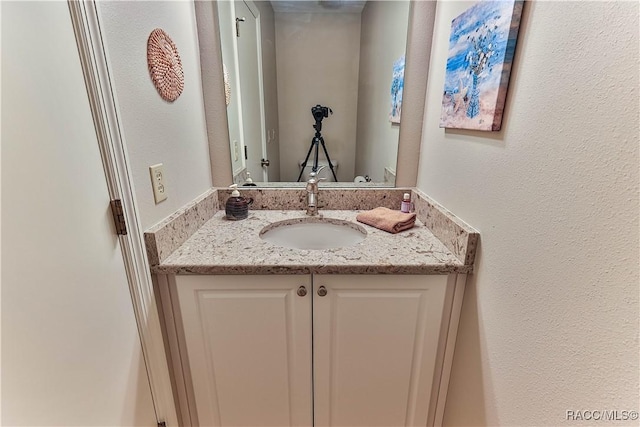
(302,350)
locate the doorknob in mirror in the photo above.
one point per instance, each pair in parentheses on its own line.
(264,162)
(238,21)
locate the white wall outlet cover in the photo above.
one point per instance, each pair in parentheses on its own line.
(158,182)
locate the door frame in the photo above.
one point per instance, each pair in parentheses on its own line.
(238,89)
(255,11)
(106,117)
(263,118)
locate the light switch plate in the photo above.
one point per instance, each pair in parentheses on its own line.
(158,182)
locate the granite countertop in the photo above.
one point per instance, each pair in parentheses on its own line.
(221,246)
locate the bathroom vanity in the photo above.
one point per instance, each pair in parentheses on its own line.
(260,334)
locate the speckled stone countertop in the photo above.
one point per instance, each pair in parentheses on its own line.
(221,246)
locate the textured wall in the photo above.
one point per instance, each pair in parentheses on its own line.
(550,317)
(156,131)
(317,66)
(213,91)
(419,39)
(383,40)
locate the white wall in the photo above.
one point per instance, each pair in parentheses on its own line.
(71,353)
(317,66)
(550,316)
(383,41)
(156,131)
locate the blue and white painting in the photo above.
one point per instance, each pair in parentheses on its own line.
(397,87)
(481,49)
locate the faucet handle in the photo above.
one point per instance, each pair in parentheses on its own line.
(316,172)
(313,176)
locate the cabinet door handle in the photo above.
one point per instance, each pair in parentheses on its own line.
(322,291)
(302,291)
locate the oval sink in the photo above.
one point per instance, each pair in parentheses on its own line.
(313,233)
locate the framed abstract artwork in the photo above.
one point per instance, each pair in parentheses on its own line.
(397,88)
(481,49)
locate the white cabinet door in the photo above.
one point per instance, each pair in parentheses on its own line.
(375,348)
(248,341)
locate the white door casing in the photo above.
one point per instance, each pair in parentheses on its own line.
(249,68)
(228,42)
(105,112)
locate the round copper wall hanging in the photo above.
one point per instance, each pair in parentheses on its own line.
(165,66)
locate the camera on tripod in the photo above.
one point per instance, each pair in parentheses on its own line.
(319,112)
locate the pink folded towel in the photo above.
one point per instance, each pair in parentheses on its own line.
(387,219)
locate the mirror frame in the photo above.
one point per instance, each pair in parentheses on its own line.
(418,53)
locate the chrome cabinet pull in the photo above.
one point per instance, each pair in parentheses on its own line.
(322,291)
(302,291)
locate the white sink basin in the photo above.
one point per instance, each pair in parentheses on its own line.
(313,233)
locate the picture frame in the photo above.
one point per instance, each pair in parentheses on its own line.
(481,50)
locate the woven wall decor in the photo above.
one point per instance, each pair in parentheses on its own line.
(165,67)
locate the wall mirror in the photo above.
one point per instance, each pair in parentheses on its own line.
(282,59)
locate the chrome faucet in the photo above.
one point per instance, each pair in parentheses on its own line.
(312,192)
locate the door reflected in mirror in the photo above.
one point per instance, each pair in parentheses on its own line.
(289,62)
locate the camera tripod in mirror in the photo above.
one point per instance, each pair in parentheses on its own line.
(319,112)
